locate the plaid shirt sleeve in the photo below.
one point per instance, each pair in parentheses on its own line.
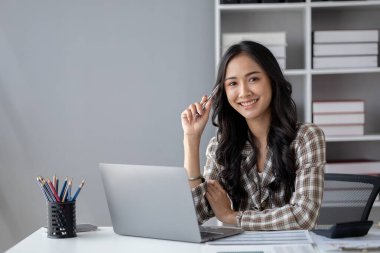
(211,171)
(303,209)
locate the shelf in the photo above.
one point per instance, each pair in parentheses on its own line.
(294,72)
(299,20)
(344,71)
(261,7)
(344,4)
(371,137)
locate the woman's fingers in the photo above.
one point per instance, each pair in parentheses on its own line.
(214,188)
(197,107)
(193,110)
(217,186)
(187,115)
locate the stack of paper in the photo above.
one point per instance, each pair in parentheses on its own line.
(264,242)
(370,242)
(266,238)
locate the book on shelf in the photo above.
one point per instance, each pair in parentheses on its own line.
(341,118)
(338,36)
(343,130)
(344,62)
(345,49)
(357,166)
(338,106)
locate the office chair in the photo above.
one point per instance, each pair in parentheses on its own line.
(347,202)
(348,197)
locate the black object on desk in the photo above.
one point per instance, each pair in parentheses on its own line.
(346,229)
(61,220)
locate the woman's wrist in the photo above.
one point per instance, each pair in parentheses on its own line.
(192,139)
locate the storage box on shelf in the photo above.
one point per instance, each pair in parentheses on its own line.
(274,41)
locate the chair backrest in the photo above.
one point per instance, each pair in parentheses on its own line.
(348,197)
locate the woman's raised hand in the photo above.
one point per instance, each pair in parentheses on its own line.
(194,118)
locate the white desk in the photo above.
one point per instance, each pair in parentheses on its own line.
(105,240)
(102,240)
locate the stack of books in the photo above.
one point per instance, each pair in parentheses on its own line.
(339,117)
(345,49)
(274,41)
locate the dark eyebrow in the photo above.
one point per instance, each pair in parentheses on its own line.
(248,74)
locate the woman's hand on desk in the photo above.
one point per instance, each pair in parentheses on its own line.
(220,202)
(194,118)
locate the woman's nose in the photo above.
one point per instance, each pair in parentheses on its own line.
(244,90)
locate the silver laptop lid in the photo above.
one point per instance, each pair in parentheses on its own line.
(150,201)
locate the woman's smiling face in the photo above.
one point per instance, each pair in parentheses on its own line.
(248,88)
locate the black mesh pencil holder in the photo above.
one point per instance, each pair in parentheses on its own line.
(61,220)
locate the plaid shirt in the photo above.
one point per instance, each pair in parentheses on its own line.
(264,209)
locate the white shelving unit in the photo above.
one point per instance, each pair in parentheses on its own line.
(298,20)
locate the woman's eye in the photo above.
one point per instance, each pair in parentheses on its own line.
(231,83)
(253,79)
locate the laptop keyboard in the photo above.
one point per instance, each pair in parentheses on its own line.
(208,234)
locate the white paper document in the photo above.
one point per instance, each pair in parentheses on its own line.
(266,238)
(301,248)
(369,242)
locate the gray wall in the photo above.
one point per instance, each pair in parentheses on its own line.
(83,82)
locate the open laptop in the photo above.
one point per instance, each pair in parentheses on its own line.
(155,202)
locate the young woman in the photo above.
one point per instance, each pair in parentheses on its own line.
(264,170)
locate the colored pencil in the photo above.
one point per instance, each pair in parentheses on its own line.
(63,189)
(78,190)
(52,188)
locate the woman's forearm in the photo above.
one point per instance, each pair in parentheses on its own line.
(191,158)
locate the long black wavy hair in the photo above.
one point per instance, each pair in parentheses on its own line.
(233,132)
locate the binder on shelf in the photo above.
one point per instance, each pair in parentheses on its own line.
(345,49)
(338,106)
(338,36)
(343,130)
(359,166)
(342,118)
(345,62)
